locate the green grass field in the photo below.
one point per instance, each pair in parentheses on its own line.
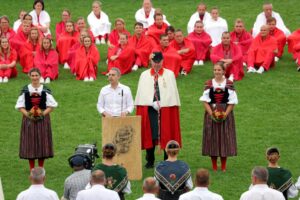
(267,113)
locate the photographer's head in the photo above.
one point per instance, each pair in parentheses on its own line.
(37,176)
(109,151)
(77,163)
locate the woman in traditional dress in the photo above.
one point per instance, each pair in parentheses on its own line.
(116,175)
(219,136)
(174,176)
(46,60)
(40,18)
(35,103)
(8,60)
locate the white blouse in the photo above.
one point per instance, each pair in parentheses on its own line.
(50,101)
(232,99)
(42,20)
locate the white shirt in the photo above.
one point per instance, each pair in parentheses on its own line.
(42,20)
(215,29)
(140,16)
(110,100)
(97,192)
(50,101)
(200,193)
(148,196)
(195,17)
(17,24)
(99,26)
(262,20)
(262,192)
(37,192)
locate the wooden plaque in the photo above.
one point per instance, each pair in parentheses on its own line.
(125,133)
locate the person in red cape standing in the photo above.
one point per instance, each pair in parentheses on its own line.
(66,41)
(242,38)
(61,26)
(158,28)
(46,59)
(157,102)
(202,43)
(185,48)
(142,47)
(231,55)
(122,56)
(28,51)
(8,60)
(86,61)
(5,30)
(219,136)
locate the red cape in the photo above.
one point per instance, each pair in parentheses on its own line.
(87,63)
(10,34)
(48,64)
(125,61)
(187,59)
(65,42)
(169,126)
(154,33)
(201,43)
(27,55)
(72,56)
(281,40)
(10,72)
(236,67)
(114,36)
(293,40)
(18,41)
(59,29)
(244,41)
(142,47)
(172,60)
(261,52)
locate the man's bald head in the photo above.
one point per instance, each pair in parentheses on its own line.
(98,177)
(264,30)
(150,185)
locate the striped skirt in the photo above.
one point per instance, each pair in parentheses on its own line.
(36,139)
(219,138)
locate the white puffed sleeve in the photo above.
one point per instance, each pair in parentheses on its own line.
(50,101)
(205,96)
(232,99)
(20,102)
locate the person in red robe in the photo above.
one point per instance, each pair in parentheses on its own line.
(61,26)
(242,38)
(202,43)
(21,37)
(81,25)
(66,40)
(157,29)
(114,36)
(172,60)
(185,48)
(262,51)
(28,51)
(279,35)
(46,59)
(122,56)
(8,60)
(142,46)
(293,40)
(232,57)
(170,31)
(5,30)
(87,58)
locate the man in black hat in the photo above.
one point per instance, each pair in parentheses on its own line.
(78,180)
(158,102)
(279,178)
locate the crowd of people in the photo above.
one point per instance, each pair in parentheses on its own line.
(168,53)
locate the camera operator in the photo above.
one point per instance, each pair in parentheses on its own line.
(78,179)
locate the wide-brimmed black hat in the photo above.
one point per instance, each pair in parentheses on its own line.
(157,56)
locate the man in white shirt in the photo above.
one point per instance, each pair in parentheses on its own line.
(115,99)
(150,189)
(37,190)
(260,189)
(201,191)
(98,191)
(199,15)
(261,19)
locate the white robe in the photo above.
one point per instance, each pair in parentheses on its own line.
(99,26)
(140,16)
(17,24)
(195,17)
(167,89)
(262,20)
(215,29)
(42,20)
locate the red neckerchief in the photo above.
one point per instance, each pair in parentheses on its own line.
(160,72)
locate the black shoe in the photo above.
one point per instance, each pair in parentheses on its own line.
(149,165)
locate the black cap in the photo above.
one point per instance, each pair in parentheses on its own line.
(272,150)
(77,161)
(156,57)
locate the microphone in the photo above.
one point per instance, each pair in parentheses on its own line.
(122,94)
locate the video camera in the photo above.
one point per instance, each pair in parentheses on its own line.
(88,152)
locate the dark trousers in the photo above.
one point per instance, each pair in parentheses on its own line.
(150,155)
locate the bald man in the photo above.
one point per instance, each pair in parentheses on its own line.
(150,189)
(262,51)
(200,15)
(262,18)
